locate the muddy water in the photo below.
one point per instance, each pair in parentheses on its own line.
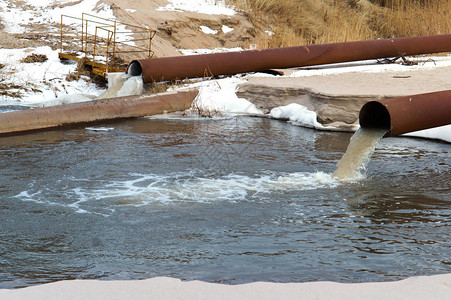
(357,156)
(232,201)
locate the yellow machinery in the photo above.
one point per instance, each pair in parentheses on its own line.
(103,44)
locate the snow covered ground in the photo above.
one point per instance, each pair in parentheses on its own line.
(17,16)
(41,83)
(210,7)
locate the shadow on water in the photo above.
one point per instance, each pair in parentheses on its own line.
(386,208)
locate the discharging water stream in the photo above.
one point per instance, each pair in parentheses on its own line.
(233,200)
(358,154)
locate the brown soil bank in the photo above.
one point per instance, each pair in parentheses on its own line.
(181,29)
(337,98)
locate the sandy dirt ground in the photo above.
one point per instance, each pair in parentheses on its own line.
(174,29)
(181,30)
(337,98)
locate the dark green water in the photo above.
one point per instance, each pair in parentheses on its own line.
(229,201)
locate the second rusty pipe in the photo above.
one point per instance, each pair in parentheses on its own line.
(206,65)
(407,114)
(94,111)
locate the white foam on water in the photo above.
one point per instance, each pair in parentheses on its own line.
(146,189)
(99,128)
(122,84)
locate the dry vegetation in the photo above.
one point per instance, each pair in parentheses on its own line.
(299,22)
(33,58)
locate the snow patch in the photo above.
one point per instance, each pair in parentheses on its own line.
(208,7)
(270,33)
(438,133)
(372,66)
(209,51)
(219,95)
(296,114)
(43,83)
(208,30)
(226,29)
(16,17)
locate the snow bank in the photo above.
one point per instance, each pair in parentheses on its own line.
(209,7)
(439,133)
(219,95)
(43,83)
(15,17)
(208,51)
(208,30)
(226,29)
(296,114)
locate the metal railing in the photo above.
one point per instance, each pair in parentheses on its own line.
(104,44)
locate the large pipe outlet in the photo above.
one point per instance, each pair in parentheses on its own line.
(206,65)
(407,114)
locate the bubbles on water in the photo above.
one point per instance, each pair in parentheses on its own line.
(100,128)
(145,189)
(121,84)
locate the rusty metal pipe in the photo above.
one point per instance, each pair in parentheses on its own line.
(195,66)
(407,114)
(94,111)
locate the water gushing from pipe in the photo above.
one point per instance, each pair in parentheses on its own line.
(122,84)
(362,145)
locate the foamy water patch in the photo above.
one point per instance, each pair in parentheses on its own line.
(103,198)
(151,188)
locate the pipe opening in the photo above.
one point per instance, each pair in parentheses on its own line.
(374,115)
(134,68)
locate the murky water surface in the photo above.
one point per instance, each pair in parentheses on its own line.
(229,201)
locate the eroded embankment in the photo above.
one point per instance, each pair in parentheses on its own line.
(337,98)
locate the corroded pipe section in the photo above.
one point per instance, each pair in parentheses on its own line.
(95,111)
(206,65)
(407,114)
